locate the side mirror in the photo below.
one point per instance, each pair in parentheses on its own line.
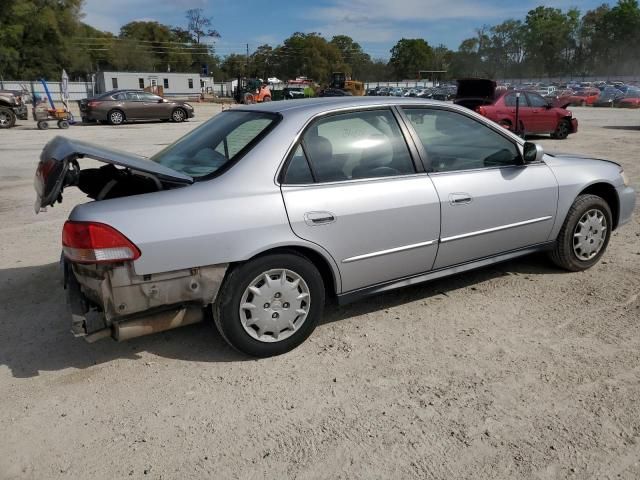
(532,152)
(161,100)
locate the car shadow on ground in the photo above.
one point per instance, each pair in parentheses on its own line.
(35,327)
(536,264)
(632,128)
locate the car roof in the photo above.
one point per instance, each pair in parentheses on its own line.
(315,106)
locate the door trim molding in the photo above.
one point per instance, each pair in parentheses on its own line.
(389,251)
(495,229)
(354,295)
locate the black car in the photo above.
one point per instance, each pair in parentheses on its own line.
(334,92)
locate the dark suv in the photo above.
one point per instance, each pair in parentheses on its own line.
(11,107)
(118,106)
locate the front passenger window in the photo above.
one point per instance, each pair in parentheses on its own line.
(456,142)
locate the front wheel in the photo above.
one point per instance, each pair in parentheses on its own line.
(179,115)
(585,234)
(562,130)
(7,118)
(270,305)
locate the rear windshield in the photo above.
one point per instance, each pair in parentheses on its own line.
(216,143)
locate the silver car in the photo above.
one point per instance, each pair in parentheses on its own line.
(261,213)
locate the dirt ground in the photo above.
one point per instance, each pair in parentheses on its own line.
(514,371)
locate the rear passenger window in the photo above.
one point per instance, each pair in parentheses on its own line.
(358,145)
(241,136)
(298,171)
(510,100)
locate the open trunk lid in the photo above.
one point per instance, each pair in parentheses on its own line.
(58,168)
(474,92)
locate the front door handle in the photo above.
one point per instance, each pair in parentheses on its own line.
(319,218)
(459,199)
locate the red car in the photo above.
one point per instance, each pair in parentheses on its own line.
(535,116)
(585,96)
(631,99)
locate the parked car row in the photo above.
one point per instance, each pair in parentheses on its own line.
(443,92)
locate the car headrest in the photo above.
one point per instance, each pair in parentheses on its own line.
(320,149)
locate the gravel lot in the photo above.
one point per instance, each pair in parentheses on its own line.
(515,371)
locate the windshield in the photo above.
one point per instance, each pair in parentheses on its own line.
(216,143)
(632,93)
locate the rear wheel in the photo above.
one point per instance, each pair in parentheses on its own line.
(43,125)
(585,234)
(7,118)
(562,130)
(64,124)
(506,124)
(116,117)
(178,115)
(270,305)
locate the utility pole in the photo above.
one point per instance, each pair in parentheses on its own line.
(247,68)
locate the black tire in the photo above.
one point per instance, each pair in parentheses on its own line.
(179,115)
(7,118)
(506,124)
(43,125)
(563,254)
(116,117)
(562,130)
(226,310)
(64,124)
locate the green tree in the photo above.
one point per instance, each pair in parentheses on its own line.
(550,39)
(409,56)
(354,58)
(309,55)
(35,36)
(262,62)
(234,65)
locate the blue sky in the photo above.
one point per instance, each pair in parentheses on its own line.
(376,24)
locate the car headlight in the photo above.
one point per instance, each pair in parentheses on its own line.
(625,179)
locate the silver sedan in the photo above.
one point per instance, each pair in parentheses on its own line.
(258,215)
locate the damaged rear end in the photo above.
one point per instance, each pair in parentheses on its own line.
(105,295)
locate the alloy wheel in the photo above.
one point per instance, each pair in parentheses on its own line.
(116,118)
(178,115)
(275,305)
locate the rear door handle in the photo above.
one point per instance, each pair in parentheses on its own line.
(319,218)
(459,198)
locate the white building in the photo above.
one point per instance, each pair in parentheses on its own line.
(173,84)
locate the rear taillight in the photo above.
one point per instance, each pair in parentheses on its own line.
(90,242)
(93,104)
(482,111)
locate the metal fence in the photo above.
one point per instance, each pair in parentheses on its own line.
(77,90)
